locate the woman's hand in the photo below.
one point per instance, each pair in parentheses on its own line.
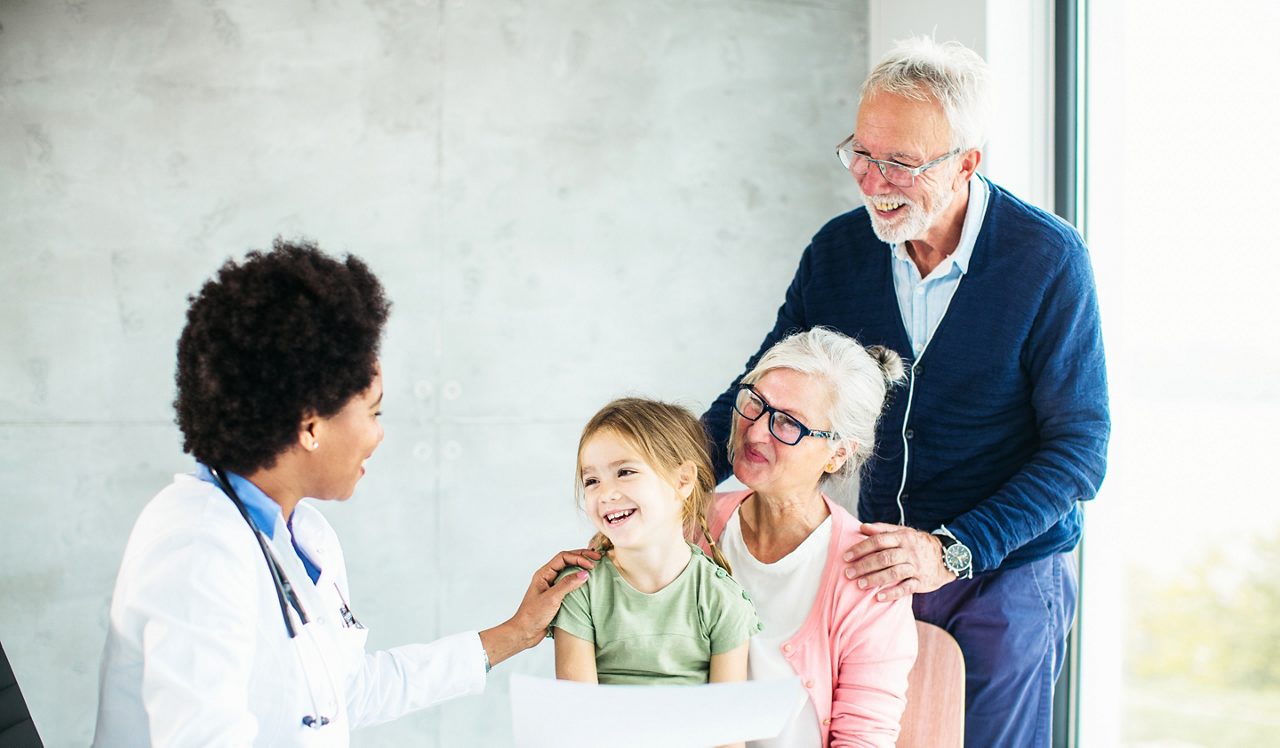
(541,601)
(900,560)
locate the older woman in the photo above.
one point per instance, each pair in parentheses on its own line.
(231,622)
(807,412)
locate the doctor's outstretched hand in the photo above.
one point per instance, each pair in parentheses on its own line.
(541,601)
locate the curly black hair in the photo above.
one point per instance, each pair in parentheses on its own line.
(269,341)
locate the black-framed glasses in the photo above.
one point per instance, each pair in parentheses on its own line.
(784,426)
(896,174)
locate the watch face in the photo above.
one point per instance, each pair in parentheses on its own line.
(957,557)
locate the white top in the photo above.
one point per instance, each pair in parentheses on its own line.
(197,652)
(784,592)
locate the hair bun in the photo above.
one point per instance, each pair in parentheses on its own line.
(890,363)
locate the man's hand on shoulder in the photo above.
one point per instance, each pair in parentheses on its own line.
(900,560)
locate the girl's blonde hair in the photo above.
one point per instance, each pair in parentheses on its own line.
(667,436)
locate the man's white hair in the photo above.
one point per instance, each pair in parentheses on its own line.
(949,73)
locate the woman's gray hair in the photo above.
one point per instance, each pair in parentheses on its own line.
(857,378)
(949,73)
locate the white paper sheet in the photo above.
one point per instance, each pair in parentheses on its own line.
(547,713)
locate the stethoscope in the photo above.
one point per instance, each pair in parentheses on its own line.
(284,592)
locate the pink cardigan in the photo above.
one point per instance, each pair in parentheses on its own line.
(852,653)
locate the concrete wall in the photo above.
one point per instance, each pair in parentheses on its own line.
(567,201)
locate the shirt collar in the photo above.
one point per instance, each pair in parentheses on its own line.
(262,509)
(974,213)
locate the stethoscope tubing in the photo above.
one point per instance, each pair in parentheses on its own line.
(283,588)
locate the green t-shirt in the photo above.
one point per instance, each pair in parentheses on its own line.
(666,637)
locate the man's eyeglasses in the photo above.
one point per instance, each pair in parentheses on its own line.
(784,427)
(896,174)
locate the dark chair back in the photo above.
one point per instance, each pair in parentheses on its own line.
(16,728)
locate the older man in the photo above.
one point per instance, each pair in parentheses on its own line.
(983,457)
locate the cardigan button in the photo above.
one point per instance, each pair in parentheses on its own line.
(917,370)
(911,434)
(786,648)
(808,684)
(826,721)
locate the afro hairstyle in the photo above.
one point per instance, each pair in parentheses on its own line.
(282,336)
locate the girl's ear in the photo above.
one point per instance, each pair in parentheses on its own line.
(686,479)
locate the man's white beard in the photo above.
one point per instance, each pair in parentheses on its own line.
(914,223)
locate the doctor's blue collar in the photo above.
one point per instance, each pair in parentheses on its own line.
(262,509)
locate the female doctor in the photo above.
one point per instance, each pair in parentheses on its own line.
(231,621)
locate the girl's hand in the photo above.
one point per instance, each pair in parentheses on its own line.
(541,601)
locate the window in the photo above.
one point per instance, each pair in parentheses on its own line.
(1181,595)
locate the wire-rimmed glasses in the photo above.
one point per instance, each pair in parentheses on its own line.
(784,426)
(896,174)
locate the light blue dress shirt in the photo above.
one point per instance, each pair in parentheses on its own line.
(923,301)
(263,510)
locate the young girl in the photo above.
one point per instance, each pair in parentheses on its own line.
(655,609)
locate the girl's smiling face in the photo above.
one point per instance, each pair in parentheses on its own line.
(627,500)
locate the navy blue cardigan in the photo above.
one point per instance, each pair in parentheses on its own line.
(1008,422)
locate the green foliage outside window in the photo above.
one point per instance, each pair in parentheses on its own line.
(1203,648)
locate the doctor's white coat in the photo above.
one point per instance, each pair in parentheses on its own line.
(197,652)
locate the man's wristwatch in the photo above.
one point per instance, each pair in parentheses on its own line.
(955,555)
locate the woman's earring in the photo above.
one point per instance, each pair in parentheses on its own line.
(315,444)
(831,467)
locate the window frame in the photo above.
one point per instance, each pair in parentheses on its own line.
(1070,129)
